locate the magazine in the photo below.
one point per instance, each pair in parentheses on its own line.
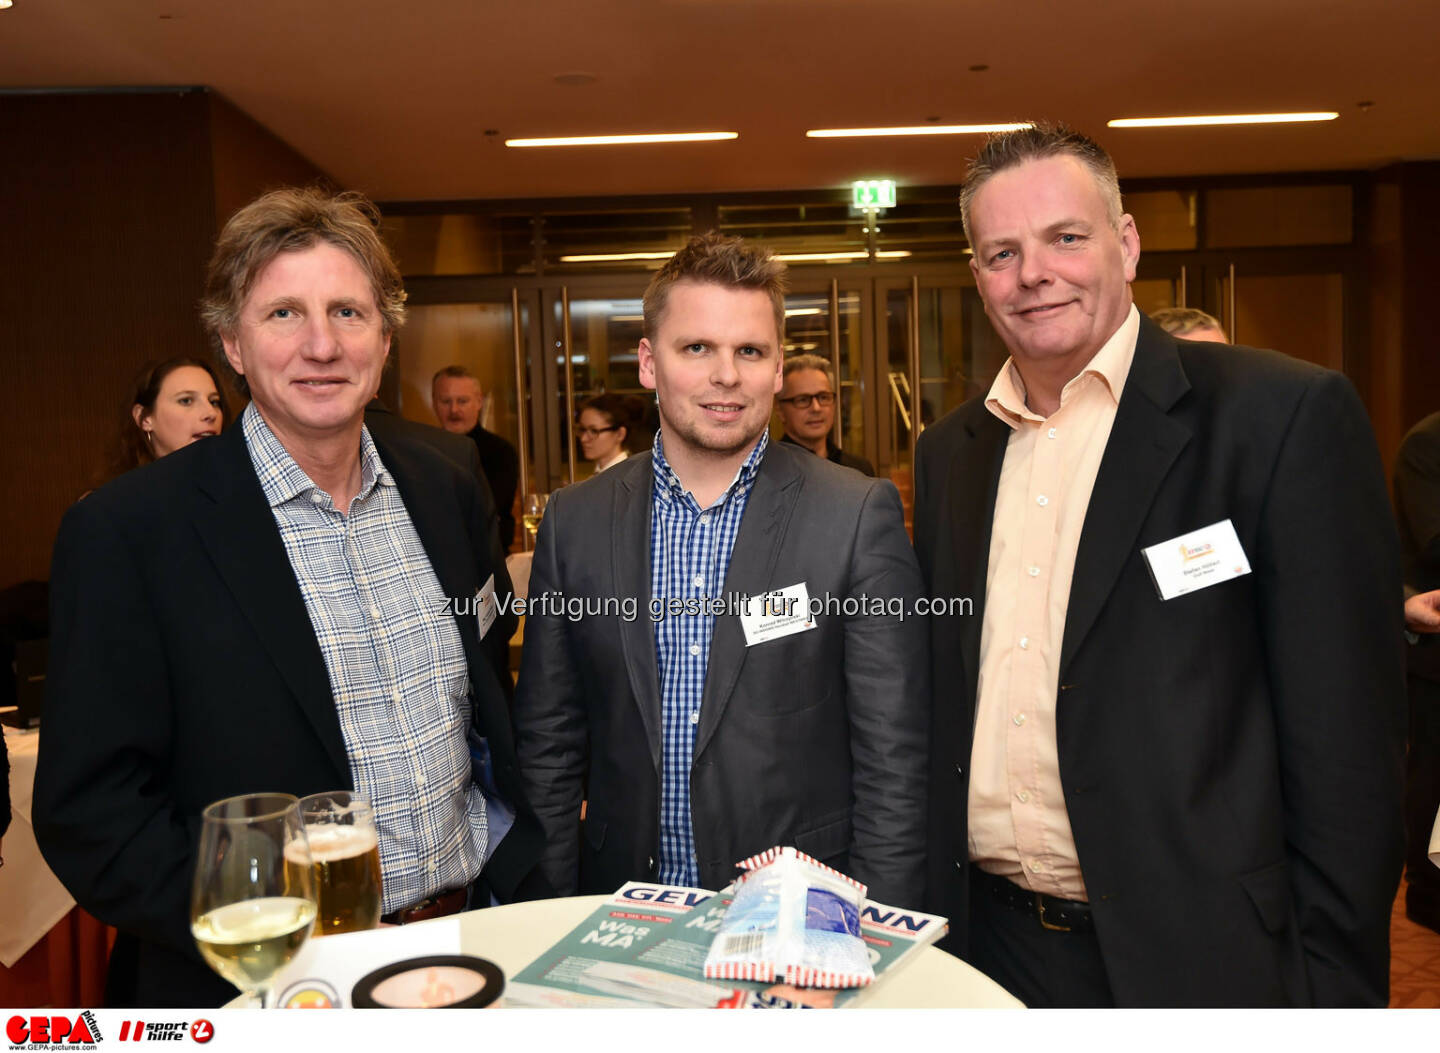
(645,946)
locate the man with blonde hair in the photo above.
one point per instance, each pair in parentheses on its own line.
(1190,323)
(700,728)
(294,605)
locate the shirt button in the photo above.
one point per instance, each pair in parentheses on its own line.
(430,866)
(1042,500)
(705,518)
(1022,796)
(395,696)
(1036,866)
(1019,719)
(1034,572)
(694,648)
(695,717)
(697,581)
(419,780)
(1050,434)
(1024,643)
(375,613)
(317,498)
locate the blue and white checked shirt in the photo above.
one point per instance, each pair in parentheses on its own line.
(690,550)
(396,662)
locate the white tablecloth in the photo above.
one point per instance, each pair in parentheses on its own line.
(32,900)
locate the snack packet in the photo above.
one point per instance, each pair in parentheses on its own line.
(795,919)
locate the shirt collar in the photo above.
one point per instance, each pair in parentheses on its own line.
(283,480)
(667,483)
(1111,365)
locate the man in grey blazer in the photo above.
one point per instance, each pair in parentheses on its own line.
(700,732)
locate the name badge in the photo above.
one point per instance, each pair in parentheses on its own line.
(487,607)
(1197,560)
(783,612)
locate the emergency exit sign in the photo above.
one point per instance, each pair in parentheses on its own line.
(873,193)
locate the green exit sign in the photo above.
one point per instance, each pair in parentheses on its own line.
(873,193)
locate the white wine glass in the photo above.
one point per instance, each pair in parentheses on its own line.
(250,913)
(533,512)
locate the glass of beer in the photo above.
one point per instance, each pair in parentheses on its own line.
(250,909)
(344,853)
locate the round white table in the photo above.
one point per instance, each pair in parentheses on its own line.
(32,899)
(515,935)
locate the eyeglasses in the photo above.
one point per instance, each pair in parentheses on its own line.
(821,398)
(590,433)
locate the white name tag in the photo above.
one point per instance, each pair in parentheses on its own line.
(487,608)
(783,612)
(1197,560)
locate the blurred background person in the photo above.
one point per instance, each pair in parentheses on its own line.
(457,398)
(807,409)
(1190,323)
(603,428)
(1417,508)
(173,403)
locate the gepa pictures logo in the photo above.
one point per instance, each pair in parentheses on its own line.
(61,1032)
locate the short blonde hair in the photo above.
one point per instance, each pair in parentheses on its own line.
(718,259)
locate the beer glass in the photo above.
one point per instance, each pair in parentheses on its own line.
(345,859)
(250,911)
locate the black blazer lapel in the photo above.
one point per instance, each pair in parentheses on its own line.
(238,531)
(1144,442)
(751,573)
(630,558)
(974,481)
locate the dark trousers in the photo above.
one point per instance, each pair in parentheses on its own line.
(1422,800)
(1043,968)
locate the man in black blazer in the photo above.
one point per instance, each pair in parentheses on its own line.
(456,396)
(1197,732)
(698,735)
(287,607)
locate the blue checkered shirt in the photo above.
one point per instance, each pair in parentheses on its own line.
(690,550)
(396,662)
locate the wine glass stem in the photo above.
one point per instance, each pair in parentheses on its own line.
(263,993)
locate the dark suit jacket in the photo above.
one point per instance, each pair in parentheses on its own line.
(185,669)
(502,467)
(816,739)
(835,455)
(1231,758)
(1417,508)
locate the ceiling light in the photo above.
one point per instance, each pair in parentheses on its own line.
(791,257)
(822,257)
(625,140)
(919,129)
(616,257)
(795,312)
(1233,118)
(4,4)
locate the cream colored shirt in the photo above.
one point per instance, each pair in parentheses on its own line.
(619,456)
(1018,823)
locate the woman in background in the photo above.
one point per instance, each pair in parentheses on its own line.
(603,425)
(175,402)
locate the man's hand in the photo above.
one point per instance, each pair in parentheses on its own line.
(1422,612)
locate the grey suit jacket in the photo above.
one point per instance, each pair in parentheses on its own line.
(816,739)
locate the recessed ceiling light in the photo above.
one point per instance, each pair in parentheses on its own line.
(625,140)
(1232,118)
(4,4)
(919,129)
(576,79)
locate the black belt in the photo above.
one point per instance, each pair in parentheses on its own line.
(1052,912)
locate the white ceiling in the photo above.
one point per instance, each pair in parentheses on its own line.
(395,98)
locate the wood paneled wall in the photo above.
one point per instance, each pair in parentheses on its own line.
(109,203)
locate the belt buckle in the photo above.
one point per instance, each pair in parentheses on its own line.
(1040,909)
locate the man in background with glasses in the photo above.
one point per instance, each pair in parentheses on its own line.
(807,406)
